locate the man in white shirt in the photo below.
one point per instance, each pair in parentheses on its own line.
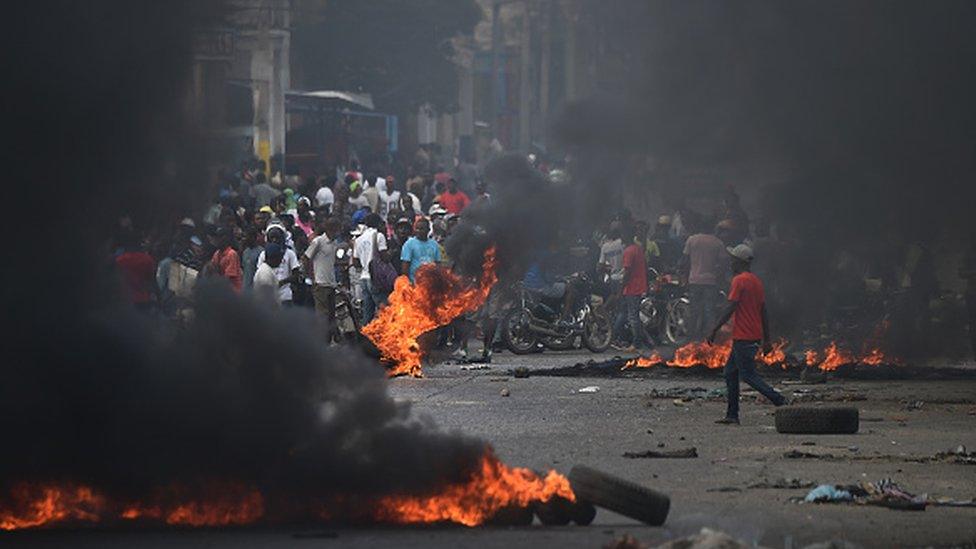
(265,284)
(371,240)
(320,259)
(287,271)
(388,196)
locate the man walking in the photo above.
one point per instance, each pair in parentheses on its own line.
(634,287)
(747,309)
(320,259)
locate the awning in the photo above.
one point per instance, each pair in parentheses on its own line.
(363,100)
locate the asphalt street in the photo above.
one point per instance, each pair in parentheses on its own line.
(547,422)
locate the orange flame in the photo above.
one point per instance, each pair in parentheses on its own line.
(714,356)
(223,504)
(437,297)
(36,505)
(493,487)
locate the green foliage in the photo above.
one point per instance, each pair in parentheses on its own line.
(399,51)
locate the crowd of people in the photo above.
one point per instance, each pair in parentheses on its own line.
(293,241)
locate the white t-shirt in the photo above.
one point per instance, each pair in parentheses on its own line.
(612,253)
(387,199)
(363,249)
(322,251)
(324,197)
(265,282)
(359,201)
(288,264)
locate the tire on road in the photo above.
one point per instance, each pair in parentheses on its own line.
(619,495)
(817,421)
(597,332)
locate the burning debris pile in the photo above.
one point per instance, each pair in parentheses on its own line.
(438,297)
(243,418)
(714,356)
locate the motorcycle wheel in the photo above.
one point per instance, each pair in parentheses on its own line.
(516,334)
(597,332)
(676,321)
(650,319)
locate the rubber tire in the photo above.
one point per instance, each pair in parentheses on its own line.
(586,340)
(817,421)
(555,512)
(507,338)
(619,495)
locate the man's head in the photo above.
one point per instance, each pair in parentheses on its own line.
(373,221)
(740,258)
(331,227)
(724,229)
(273,254)
(404,229)
(452,185)
(421,228)
(276,234)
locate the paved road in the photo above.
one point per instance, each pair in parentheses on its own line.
(547,423)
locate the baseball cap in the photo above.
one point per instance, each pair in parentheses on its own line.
(266,209)
(741,251)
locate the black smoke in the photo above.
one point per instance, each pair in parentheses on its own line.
(95,393)
(861,107)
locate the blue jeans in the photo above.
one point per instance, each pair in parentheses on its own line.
(630,313)
(742,366)
(703,298)
(371,300)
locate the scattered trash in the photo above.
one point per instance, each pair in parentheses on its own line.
(505,392)
(724,489)
(688,394)
(476,367)
(884,493)
(589,389)
(828,493)
(680,453)
(706,539)
(497,379)
(521,372)
(783,484)
(914,405)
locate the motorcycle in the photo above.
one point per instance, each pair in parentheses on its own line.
(534,319)
(665,310)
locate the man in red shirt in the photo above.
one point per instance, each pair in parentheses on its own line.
(137,269)
(634,287)
(747,309)
(226,262)
(453,199)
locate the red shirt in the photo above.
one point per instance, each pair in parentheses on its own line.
(454,203)
(228,265)
(138,270)
(747,291)
(635,271)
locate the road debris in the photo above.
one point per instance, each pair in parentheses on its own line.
(521,372)
(884,493)
(505,392)
(679,453)
(783,484)
(589,389)
(707,538)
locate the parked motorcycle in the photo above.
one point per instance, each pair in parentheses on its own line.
(665,311)
(534,319)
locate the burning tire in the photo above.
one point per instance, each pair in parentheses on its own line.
(516,333)
(619,495)
(817,421)
(560,511)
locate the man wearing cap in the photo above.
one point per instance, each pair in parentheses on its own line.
(747,309)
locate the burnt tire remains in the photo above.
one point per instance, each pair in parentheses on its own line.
(817,421)
(619,495)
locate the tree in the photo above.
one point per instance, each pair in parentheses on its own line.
(399,52)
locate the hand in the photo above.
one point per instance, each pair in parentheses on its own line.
(711,336)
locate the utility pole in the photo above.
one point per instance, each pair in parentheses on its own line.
(496,38)
(525,80)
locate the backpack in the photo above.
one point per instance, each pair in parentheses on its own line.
(382,275)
